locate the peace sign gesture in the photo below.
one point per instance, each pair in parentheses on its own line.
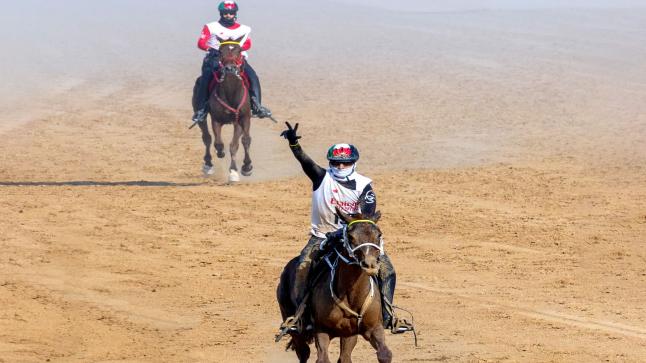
(290,134)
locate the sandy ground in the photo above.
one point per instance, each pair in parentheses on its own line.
(508,152)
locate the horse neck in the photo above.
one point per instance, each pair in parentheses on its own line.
(353,282)
(231,89)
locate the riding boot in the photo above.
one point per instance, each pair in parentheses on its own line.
(255,93)
(201,90)
(387,281)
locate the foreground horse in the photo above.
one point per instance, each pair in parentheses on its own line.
(229,104)
(345,301)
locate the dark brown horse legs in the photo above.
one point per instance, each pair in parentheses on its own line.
(235,144)
(246,143)
(206,138)
(377,338)
(347,346)
(219,144)
(322,344)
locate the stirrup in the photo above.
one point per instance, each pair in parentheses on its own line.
(291,325)
(400,325)
(262,112)
(200,115)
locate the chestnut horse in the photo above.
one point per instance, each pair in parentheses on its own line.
(346,302)
(229,104)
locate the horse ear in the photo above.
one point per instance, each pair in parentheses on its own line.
(375,216)
(344,217)
(239,40)
(220,40)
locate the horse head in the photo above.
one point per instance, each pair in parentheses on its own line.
(362,240)
(231,58)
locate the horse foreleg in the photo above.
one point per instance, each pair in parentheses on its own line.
(377,338)
(347,346)
(235,144)
(206,139)
(322,344)
(219,144)
(246,143)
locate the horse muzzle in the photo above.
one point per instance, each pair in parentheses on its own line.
(370,267)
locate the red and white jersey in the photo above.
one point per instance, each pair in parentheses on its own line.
(331,194)
(211,30)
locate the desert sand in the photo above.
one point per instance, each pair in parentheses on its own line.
(507,143)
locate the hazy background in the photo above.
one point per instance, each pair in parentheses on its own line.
(485,68)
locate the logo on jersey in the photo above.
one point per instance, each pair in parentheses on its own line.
(370,197)
(350,207)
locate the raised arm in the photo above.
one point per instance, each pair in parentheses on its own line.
(310,167)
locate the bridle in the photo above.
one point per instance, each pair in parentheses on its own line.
(352,258)
(236,71)
(230,69)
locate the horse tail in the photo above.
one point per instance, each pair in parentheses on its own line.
(290,345)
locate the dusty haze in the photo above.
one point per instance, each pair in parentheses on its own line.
(506,140)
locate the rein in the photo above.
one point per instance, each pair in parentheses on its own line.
(343,305)
(235,111)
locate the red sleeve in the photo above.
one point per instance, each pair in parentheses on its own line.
(247,44)
(204,38)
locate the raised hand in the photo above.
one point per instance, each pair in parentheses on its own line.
(290,133)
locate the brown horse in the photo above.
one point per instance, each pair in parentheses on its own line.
(345,301)
(229,104)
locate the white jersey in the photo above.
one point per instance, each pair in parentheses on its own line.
(331,194)
(218,30)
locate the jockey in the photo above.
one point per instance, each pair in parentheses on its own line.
(225,28)
(339,186)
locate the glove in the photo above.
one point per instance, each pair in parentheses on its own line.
(332,238)
(290,134)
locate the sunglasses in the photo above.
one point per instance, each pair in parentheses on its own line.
(339,163)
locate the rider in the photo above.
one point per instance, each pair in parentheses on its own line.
(338,186)
(225,28)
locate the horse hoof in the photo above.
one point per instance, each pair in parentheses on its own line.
(234,177)
(208,170)
(247,170)
(220,154)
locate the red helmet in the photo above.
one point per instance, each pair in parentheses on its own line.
(228,7)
